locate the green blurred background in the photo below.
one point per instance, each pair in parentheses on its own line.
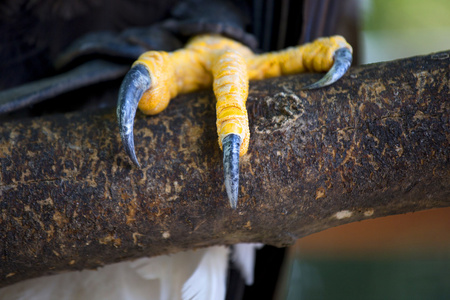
(401,28)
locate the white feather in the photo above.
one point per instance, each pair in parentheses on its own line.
(194,275)
(243,256)
(209,278)
(114,282)
(172,271)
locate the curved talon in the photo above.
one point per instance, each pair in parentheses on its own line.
(231,145)
(227,65)
(342,62)
(135,83)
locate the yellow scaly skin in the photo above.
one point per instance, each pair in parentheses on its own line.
(231,90)
(209,59)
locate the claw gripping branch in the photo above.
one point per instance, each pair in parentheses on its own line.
(227,65)
(231,90)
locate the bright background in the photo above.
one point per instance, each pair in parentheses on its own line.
(394,29)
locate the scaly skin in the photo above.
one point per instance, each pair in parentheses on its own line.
(231,90)
(312,57)
(227,65)
(207,60)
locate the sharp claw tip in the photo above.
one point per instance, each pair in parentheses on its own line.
(233,203)
(136,163)
(134,160)
(133,157)
(310,86)
(231,145)
(135,83)
(232,187)
(342,62)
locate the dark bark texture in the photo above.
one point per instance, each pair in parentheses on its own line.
(374,144)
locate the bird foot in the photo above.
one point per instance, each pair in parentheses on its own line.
(227,65)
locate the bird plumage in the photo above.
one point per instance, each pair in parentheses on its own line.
(195,275)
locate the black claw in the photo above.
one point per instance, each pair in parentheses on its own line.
(135,83)
(231,147)
(342,62)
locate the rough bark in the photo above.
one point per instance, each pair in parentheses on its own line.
(374,144)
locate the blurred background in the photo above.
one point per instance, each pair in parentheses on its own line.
(402,28)
(397,257)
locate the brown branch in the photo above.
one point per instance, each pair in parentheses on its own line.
(374,144)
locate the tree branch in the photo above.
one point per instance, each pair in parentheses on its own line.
(374,144)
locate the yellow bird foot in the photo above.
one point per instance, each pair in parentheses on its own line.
(157,77)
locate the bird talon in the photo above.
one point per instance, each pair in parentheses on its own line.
(135,83)
(231,147)
(227,66)
(342,62)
